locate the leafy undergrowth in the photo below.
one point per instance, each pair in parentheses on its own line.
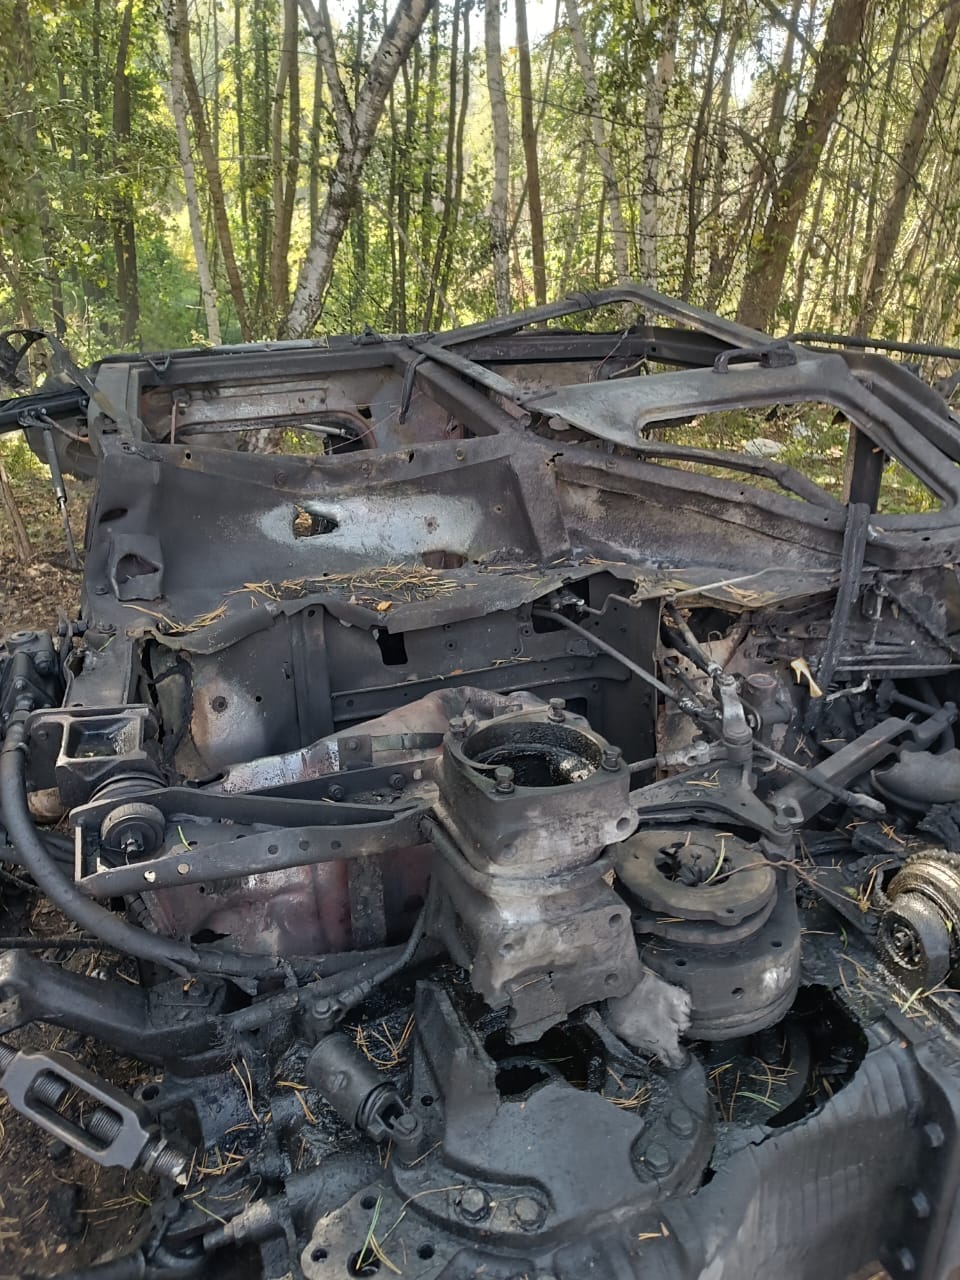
(811,438)
(57,1209)
(32,595)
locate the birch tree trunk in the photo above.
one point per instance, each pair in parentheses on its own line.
(177,98)
(658,82)
(355,135)
(500,122)
(621,242)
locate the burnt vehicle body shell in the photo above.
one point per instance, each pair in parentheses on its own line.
(592,783)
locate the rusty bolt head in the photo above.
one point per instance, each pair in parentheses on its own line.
(657,1158)
(473,1204)
(405,1125)
(503,779)
(458,726)
(921,1205)
(681,1121)
(323,1008)
(528,1212)
(557,710)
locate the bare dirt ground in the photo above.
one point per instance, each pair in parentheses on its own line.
(57,1209)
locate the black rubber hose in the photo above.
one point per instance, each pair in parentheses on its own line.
(181,957)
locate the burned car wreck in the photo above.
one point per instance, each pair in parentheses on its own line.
(540,839)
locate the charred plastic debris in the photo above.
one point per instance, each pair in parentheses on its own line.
(540,840)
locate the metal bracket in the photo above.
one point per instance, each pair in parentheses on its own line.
(778,355)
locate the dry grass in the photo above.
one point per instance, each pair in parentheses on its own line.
(375,585)
(380,1047)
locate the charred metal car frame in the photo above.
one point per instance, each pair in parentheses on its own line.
(542,852)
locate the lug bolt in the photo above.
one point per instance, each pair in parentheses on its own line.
(610,760)
(921,1205)
(528,1212)
(933,1134)
(557,708)
(503,779)
(473,1204)
(681,1122)
(657,1158)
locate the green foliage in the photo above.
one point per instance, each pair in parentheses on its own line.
(418,245)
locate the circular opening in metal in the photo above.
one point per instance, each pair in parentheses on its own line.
(540,754)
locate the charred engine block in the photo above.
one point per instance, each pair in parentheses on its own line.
(529,803)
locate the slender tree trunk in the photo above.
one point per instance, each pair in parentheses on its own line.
(697,165)
(621,243)
(124,228)
(883,125)
(427,213)
(178,32)
(284,176)
(528,135)
(411,94)
(659,77)
(443,280)
(459,10)
(767,263)
(905,177)
(717,230)
(500,122)
(18,530)
(177,98)
(813,233)
(316,125)
(238,98)
(355,146)
(762,180)
(576,227)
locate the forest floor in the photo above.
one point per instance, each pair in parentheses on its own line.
(57,1209)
